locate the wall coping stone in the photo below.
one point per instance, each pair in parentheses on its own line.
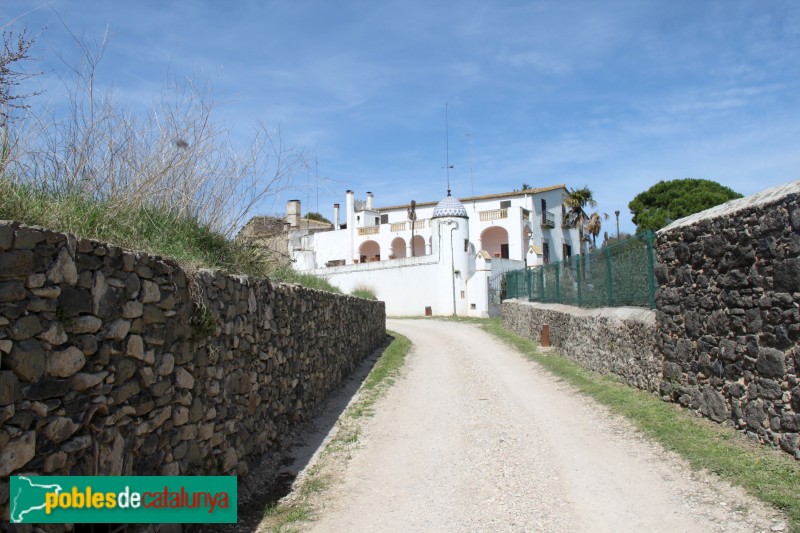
(638,314)
(768,196)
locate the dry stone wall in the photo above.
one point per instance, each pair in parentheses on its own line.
(618,341)
(109,366)
(726,337)
(728,314)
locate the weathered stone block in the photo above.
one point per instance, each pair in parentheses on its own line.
(73,301)
(60,429)
(63,269)
(45,389)
(65,363)
(83,380)
(86,324)
(180,415)
(754,415)
(27,237)
(713,405)
(150,292)
(9,387)
(118,329)
(6,236)
(787,275)
(771,363)
(27,360)
(55,334)
(12,291)
(183,379)
(17,453)
(25,328)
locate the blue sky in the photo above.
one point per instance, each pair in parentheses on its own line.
(616,95)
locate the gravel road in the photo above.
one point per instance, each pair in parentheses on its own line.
(474,437)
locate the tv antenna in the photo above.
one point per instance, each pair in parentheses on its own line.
(447,147)
(468,135)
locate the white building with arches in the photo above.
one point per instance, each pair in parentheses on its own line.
(444,258)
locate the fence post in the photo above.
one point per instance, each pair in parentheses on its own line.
(541,284)
(558,283)
(651,270)
(608,277)
(580,300)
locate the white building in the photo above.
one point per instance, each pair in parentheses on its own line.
(447,261)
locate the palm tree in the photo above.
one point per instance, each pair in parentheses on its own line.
(593,226)
(576,201)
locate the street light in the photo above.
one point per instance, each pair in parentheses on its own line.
(617,214)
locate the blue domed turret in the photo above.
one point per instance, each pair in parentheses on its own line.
(450,207)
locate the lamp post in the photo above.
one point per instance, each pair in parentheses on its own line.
(617,214)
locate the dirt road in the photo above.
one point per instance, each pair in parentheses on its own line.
(474,437)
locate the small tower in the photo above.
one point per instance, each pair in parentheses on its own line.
(450,232)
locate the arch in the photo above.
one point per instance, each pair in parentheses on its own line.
(495,241)
(369,251)
(419,245)
(399,247)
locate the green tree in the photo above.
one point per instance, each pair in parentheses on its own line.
(318,217)
(576,201)
(667,201)
(594,224)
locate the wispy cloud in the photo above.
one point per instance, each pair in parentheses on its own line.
(616,96)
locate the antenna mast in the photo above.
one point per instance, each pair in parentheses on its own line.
(447,145)
(469,148)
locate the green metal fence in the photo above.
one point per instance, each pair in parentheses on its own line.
(621,274)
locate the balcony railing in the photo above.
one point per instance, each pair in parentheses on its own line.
(494,214)
(369,230)
(565,221)
(403,226)
(548,220)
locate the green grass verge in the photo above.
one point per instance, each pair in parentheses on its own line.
(769,475)
(363,290)
(148,229)
(282,516)
(363,294)
(286,274)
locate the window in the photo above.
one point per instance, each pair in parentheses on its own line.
(504,251)
(545,251)
(505,204)
(567,252)
(377,220)
(384,219)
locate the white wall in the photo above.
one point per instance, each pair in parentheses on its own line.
(406,285)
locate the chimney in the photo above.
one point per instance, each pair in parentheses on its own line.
(350,214)
(335,216)
(370,198)
(293,213)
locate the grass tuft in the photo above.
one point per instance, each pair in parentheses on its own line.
(151,229)
(285,274)
(772,476)
(364,291)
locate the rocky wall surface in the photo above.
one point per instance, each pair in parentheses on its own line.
(728,314)
(115,362)
(620,341)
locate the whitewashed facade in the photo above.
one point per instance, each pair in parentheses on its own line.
(446,261)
